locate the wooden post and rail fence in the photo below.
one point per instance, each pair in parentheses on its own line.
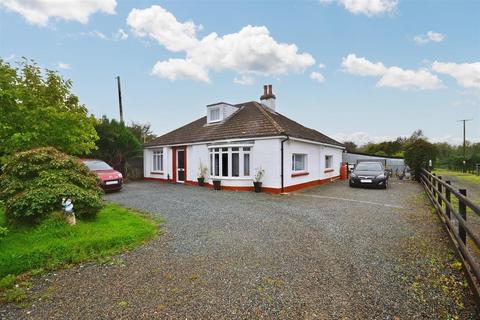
(451,206)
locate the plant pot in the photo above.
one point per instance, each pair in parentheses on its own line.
(216,184)
(257,186)
(201,182)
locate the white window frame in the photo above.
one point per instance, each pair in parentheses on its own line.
(305,162)
(242,150)
(330,158)
(157,161)
(211,111)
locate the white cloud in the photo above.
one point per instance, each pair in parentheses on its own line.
(466,74)
(395,77)
(62,65)
(244,80)
(174,69)
(448,138)
(317,76)
(159,24)
(366,7)
(10,57)
(362,67)
(361,138)
(38,12)
(430,36)
(251,51)
(120,35)
(94,34)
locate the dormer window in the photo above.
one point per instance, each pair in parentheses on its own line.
(215,114)
(220,111)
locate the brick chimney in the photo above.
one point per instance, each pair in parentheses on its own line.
(268,98)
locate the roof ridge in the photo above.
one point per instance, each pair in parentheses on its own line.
(272,121)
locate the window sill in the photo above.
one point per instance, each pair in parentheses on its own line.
(156,172)
(328,170)
(230,178)
(299,174)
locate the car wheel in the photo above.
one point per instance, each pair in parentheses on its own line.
(350,184)
(385,185)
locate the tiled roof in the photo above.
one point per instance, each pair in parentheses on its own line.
(249,121)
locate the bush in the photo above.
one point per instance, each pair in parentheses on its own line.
(3,232)
(417,155)
(34,182)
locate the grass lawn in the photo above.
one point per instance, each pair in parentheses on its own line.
(53,243)
(468,177)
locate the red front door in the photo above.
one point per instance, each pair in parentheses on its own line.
(180,165)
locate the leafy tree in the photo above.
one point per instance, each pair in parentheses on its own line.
(350,146)
(117,143)
(380,153)
(418,152)
(34,182)
(37,109)
(142,131)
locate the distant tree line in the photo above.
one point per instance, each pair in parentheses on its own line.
(444,155)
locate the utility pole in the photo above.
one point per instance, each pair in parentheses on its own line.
(464,142)
(119,98)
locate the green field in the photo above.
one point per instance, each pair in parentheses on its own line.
(468,177)
(53,243)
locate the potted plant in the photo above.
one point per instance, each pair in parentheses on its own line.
(216,184)
(257,181)
(202,172)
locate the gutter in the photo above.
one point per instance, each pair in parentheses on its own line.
(287,137)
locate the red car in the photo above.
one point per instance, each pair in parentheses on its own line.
(111,179)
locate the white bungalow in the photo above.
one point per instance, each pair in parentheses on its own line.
(234,141)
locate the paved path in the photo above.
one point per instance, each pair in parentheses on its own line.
(329,252)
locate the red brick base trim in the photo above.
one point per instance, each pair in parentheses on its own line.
(287,189)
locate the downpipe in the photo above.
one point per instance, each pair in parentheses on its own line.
(287,137)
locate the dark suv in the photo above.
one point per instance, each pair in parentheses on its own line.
(369,174)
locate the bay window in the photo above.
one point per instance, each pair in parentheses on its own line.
(230,162)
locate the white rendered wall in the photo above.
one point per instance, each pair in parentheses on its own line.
(315,161)
(264,153)
(196,154)
(148,163)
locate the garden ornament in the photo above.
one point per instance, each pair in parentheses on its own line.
(67,205)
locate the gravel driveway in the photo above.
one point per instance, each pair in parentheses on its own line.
(329,252)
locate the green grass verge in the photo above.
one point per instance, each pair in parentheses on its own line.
(460,175)
(53,243)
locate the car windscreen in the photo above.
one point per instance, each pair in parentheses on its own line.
(97,165)
(369,167)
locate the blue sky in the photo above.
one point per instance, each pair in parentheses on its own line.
(356,70)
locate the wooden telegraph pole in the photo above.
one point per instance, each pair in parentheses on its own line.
(464,143)
(119,98)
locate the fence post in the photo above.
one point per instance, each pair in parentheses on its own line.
(447,196)
(434,185)
(440,190)
(462,210)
